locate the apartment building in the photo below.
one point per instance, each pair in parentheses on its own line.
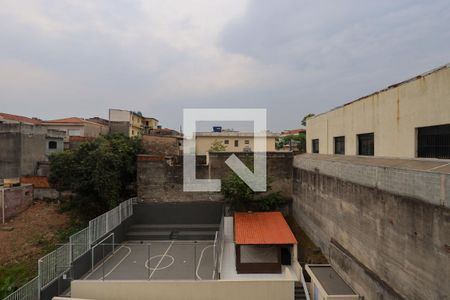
(77,127)
(130,123)
(233,141)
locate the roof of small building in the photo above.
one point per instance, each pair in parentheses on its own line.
(262,228)
(36,181)
(20,119)
(72,120)
(331,282)
(447,66)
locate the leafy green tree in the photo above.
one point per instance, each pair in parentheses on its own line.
(307,117)
(100,173)
(217,146)
(298,141)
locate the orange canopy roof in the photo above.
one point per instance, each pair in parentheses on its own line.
(262,228)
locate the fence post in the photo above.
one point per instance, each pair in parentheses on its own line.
(107,221)
(2,195)
(120,213)
(39,279)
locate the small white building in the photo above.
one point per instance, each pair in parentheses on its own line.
(326,284)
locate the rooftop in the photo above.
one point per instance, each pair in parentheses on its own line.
(416,164)
(331,282)
(262,228)
(71,120)
(447,66)
(20,119)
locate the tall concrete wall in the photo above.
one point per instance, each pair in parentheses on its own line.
(162,180)
(386,243)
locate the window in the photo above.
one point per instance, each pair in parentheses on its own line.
(315,146)
(74,132)
(366,144)
(226,142)
(236,143)
(434,141)
(52,145)
(247,142)
(339,145)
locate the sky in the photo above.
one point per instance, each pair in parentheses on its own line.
(293,57)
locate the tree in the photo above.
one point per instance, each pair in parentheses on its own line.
(100,173)
(306,117)
(297,141)
(217,146)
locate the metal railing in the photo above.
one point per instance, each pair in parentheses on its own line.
(51,266)
(79,243)
(59,261)
(219,244)
(28,291)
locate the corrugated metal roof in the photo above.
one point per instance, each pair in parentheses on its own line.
(262,228)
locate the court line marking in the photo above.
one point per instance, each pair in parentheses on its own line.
(128,254)
(200,260)
(93,271)
(167,255)
(162,257)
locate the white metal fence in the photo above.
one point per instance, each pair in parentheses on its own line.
(219,244)
(29,291)
(56,263)
(79,243)
(53,265)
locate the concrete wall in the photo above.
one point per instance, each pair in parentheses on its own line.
(16,200)
(159,179)
(183,290)
(203,143)
(161,145)
(386,243)
(22,147)
(392,114)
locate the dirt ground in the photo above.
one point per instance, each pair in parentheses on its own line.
(33,231)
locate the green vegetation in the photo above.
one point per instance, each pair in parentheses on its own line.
(298,142)
(14,276)
(305,118)
(99,173)
(217,146)
(240,197)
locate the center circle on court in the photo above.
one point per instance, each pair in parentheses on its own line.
(159,262)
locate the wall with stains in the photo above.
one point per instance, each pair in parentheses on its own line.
(392,115)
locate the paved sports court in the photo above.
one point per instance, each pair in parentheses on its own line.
(157,260)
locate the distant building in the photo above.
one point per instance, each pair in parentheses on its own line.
(406,120)
(99,120)
(292,132)
(233,141)
(15,119)
(77,127)
(130,123)
(24,148)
